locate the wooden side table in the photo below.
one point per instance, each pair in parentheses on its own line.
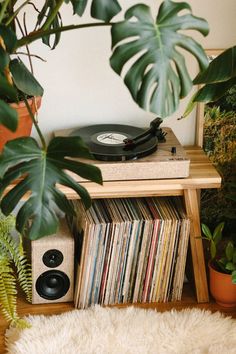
(202,175)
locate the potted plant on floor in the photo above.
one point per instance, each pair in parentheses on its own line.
(40,166)
(13,267)
(222,266)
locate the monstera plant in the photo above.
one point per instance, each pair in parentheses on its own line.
(157,79)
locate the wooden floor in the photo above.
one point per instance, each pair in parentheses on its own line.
(188,301)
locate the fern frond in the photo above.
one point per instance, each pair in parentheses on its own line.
(7,290)
(18,256)
(7,224)
(11,251)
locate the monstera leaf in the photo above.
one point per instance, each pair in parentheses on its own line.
(100,9)
(157,76)
(40,171)
(219,77)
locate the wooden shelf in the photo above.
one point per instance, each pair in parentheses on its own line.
(202,175)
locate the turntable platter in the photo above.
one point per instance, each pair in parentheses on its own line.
(107,141)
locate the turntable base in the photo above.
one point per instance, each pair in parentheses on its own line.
(161,164)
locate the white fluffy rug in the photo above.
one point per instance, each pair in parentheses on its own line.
(126,331)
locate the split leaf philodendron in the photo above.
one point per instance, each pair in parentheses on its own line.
(157,79)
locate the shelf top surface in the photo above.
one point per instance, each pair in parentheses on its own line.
(202,174)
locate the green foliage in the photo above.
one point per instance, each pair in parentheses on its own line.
(13,267)
(152,78)
(41,168)
(227,102)
(100,9)
(157,79)
(40,171)
(220,146)
(24,80)
(219,77)
(225,256)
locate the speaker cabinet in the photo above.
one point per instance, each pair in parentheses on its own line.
(52,260)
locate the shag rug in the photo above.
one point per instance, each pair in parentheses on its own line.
(125,331)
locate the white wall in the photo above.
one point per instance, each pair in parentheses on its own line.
(81,89)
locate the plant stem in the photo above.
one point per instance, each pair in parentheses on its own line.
(52,15)
(33,36)
(3,9)
(16,12)
(44,145)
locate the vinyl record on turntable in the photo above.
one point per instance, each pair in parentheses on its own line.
(117,142)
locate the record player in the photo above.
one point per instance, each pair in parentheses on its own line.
(117,142)
(124,152)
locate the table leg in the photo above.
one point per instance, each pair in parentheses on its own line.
(199,269)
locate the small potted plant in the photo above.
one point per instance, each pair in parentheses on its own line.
(222,266)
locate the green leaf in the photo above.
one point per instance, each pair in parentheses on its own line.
(222,68)
(212,249)
(9,38)
(234,277)
(24,80)
(212,92)
(100,9)
(222,263)
(219,77)
(217,234)
(46,11)
(206,231)
(41,172)
(105,9)
(157,76)
(79,6)
(229,251)
(230,266)
(8,116)
(190,106)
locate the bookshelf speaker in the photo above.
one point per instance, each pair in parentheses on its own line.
(52,260)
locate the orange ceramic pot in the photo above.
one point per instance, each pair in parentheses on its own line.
(24,123)
(222,288)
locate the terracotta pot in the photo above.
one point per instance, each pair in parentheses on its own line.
(222,288)
(24,124)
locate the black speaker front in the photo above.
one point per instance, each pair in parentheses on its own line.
(52,284)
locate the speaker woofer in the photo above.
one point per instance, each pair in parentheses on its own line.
(52,258)
(52,284)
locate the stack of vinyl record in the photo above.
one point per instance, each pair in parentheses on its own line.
(130,250)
